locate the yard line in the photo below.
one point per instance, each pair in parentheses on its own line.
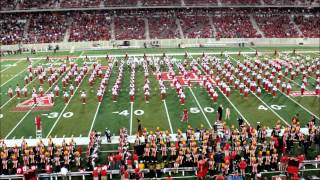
(131,109)
(12,78)
(94,119)
(6,68)
(16,75)
(271,109)
(16,95)
(263,101)
(300,105)
(233,106)
(195,98)
(32,108)
(11,66)
(96,114)
(297,102)
(65,107)
(13,129)
(167,113)
(227,99)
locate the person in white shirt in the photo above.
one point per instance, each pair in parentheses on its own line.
(83,97)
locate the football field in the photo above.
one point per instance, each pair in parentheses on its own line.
(72,118)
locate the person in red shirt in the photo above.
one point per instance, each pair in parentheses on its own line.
(242,166)
(38,122)
(95,174)
(295,177)
(283,162)
(169,178)
(135,159)
(219,177)
(185,116)
(126,174)
(104,173)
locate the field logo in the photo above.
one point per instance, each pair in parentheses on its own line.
(43,103)
(306,93)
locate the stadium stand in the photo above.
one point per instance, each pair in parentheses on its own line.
(242,2)
(37,4)
(131,27)
(111,3)
(276,26)
(309,25)
(196,26)
(47,27)
(90,27)
(201,2)
(7,5)
(235,25)
(82,3)
(12,28)
(163,27)
(161,2)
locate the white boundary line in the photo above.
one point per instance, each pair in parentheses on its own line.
(264,102)
(167,113)
(179,54)
(195,98)
(65,107)
(13,129)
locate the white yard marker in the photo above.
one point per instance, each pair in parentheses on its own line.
(65,107)
(94,119)
(131,109)
(167,113)
(195,98)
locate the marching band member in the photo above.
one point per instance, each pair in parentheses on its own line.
(302,89)
(83,97)
(18,91)
(25,91)
(65,97)
(56,90)
(10,92)
(41,91)
(185,117)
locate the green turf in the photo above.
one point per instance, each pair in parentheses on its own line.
(112,114)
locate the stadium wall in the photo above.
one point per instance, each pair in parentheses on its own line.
(172,43)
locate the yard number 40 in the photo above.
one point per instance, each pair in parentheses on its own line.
(273,106)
